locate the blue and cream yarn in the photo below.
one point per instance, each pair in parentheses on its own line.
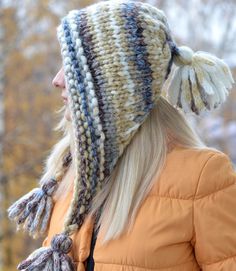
(116,57)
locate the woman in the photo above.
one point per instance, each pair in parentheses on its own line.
(130,171)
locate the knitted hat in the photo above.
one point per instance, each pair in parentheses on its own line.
(116,58)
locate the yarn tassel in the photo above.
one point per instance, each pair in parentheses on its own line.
(201,81)
(53,258)
(32,211)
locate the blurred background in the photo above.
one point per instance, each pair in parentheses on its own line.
(30,58)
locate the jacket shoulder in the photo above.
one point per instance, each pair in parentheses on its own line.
(214,214)
(188,173)
(217,174)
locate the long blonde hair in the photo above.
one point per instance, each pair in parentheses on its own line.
(136,170)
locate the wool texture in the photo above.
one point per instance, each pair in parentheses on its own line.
(117,56)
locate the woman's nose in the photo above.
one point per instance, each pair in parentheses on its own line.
(59,81)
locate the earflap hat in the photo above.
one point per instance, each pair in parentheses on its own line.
(116,57)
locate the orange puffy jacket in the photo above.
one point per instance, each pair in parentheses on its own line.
(187,222)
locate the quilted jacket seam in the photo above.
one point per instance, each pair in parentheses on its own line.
(168,197)
(193,200)
(222,189)
(222,260)
(156,268)
(200,175)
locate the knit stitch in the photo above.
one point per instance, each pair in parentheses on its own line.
(117,56)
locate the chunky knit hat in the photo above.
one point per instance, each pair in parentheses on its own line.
(116,58)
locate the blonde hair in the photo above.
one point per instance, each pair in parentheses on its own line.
(136,170)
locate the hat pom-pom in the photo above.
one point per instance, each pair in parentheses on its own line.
(53,258)
(200,82)
(32,211)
